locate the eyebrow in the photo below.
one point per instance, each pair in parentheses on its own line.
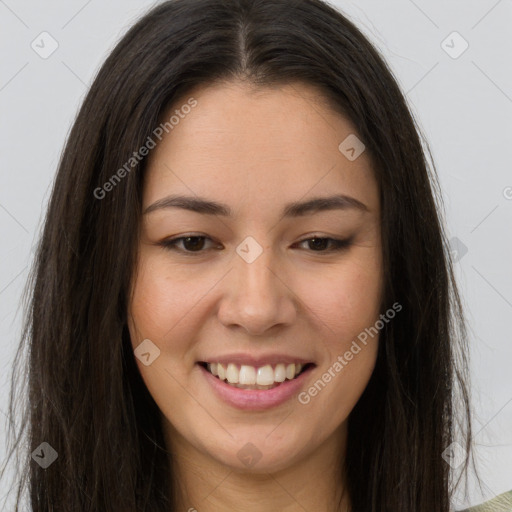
(294,209)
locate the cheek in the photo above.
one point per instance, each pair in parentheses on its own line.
(162,299)
(347,307)
(345,299)
(160,311)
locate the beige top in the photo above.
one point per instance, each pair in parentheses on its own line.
(502,503)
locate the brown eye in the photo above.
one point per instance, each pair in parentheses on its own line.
(189,244)
(320,244)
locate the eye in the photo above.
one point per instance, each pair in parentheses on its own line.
(318,244)
(191,244)
(196,244)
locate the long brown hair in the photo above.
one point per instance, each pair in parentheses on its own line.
(85,396)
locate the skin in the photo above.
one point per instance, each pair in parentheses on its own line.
(257,150)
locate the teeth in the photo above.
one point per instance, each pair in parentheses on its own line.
(232,374)
(250,377)
(280,373)
(265,376)
(247,375)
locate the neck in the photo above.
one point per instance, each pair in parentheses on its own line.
(204,484)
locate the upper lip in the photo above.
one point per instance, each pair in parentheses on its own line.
(255,360)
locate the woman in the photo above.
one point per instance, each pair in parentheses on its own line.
(243,297)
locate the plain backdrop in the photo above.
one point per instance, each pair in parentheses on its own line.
(459,87)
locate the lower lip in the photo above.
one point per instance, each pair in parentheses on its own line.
(255,399)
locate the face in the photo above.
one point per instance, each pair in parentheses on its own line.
(256,288)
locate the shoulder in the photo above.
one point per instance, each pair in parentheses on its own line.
(502,503)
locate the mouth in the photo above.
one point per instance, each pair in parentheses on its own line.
(265,377)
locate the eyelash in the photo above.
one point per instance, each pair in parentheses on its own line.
(337,244)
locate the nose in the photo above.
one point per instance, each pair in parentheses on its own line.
(257,296)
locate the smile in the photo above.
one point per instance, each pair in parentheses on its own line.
(255,377)
(252,397)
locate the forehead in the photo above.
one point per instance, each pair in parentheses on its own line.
(259,146)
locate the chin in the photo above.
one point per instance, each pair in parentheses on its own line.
(257,454)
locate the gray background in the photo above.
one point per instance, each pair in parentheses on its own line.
(463,105)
